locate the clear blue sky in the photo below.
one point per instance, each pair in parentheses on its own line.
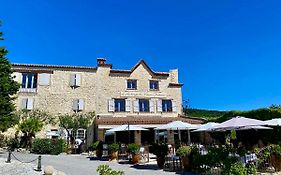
(228,52)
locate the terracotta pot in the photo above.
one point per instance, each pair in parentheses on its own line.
(160,161)
(186,162)
(99,153)
(276,162)
(135,158)
(114,155)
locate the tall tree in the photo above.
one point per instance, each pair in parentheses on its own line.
(8,89)
(72,122)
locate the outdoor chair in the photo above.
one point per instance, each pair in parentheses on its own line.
(105,151)
(123,152)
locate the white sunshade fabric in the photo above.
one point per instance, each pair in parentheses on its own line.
(237,123)
(127,128)
(253,127)
(53,133)
(273,122)
(177,125)
(206,127)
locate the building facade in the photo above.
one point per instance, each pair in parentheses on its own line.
(137,96)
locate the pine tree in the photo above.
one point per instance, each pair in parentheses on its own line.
(8,89)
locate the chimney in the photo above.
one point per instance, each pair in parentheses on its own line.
(101,61)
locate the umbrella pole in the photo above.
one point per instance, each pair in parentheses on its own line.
(188,135)
(129,132)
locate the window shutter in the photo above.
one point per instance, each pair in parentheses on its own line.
(128,105)
(24,103)
(111,105)
(159,105)
(44,79)
(77,79)
(174,106)
(29,105)
(80,104)
(75,105)
(151,106)
(72,80)
(136,106)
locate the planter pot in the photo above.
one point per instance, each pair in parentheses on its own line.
(114,155)
(276,162)
(136,158)
(186,163)
(160,161)
(99,154)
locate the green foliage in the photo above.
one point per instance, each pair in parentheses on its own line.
(160,149)
(183,151)
(75,121)
(95,145)
(133,148)
(48,146)
(204,114)
(237,169)
(251,169)
(113,147)
(8,89)
(106,170)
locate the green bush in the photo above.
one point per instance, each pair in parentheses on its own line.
(237,169)
(106,170)
(113,147)
(159,149)
(133,148)
(183,151)
(95,145)
(48,146)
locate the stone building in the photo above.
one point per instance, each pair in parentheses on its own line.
(138,96)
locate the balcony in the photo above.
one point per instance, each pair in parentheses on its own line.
(27,90)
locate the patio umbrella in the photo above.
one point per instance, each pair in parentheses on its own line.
(127,128)
(178,125)
(236,123)
(273,122)
(253,127)
(206,127)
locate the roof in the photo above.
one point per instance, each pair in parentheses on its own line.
(141,62)
(144,120)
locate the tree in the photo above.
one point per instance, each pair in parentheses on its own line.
(72,122)
(8,89)
(32,122)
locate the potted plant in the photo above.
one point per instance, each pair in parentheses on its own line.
(97,147)
(184,153)
(113,149)
(160,150)
(276,157)
(134,149)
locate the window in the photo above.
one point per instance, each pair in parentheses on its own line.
(75,80)
(29,80)
(79,134)
(167,106)
(27,103)
(119,105)
(131,84)
(153,85)
(143,105)
(78,105)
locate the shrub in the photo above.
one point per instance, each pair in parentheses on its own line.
(48,146)
(106,170)
(133,148)
(113,147)
(183,151)
(13,143)
(95,145)
(237,169)
(159,149)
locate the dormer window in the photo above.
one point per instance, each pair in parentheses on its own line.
(131,84)
(29,80)
(153,85)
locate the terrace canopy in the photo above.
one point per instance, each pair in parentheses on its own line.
(273,122)
(127,128)
(206,127)
(237,123)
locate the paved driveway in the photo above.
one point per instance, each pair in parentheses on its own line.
(81,165)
